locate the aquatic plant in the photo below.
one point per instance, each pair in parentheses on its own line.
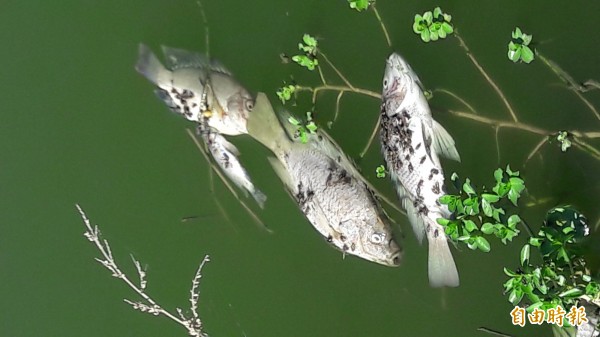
(518,47)
(147,304)
(433,26)
(477,213)
(359,5)
(303,129)
(380,171)
(309,58)
(563,139)
(285,93)
(562,278)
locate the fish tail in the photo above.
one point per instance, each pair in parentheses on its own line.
(441,267)
(264,126)
(260,197)
(149,65)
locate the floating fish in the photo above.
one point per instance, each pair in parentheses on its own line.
(199,89)
(204,92)
(337,202)
(411,141)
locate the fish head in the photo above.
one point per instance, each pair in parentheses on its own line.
(231,102)
(401,84)
(372,241)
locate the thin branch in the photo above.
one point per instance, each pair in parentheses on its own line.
(493,332)
(486,76)
(322,76)
(328,87)
(371,138)
(576,87)
(455,96)
(194,326)
(536,149)
(336,70)
(226,182)
(337,105)
(385,32)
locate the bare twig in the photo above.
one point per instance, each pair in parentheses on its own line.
(336,70)
(385,32)
(338,88)
(337,105)
(193,324)
(486,76)
(493,332)
(458,98)
(371,138)
(576,87)
(536,149)
(226,182)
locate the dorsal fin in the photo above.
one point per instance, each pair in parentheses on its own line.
(176,58)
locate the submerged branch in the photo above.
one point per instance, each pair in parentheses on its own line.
(486,76)
(575,86)
(336,70)
(226,182)
(385,32)
(371,138)
(148,305)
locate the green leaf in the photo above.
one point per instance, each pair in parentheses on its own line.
(517,33)
(359,5)
(380,171)
(468,188)
(513,196)
(428,17)
(309,40)
(573,292)
(490,197)
(425,35)
(526,54)
(511,172)
(418,27)
(513,220)
(536,242)
(487,228)
(512,46)
(526,39)
(470,225)
(442,34)
(498,174)
(311,127)
(446,199)
(525,255)
(293,121)
(514,55)
(509,272)
(437,12)
(447,18)
(433,35)
(482,244)
(487,208)
(447,28)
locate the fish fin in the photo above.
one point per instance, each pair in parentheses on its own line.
(180,58)
(228,146)
(283,175)
(264,126)
(441,267)
(259,197)
(149,66)
(415,220)
(443,144)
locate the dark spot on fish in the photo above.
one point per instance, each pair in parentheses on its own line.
(435,171)
(419,185)
(328,181)
(405,114)
(320,138)
(330,239)
(418,146)
(339,159)
(423,160)
(410,167)
(436,188)
(343,238)
(436,233)
(438,203)
(353,246)
(428,228)
(309,194)
(407,157)
(194,105)
(345,247)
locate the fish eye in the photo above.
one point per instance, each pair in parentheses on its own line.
(385,83)
(377,237)
(249,105)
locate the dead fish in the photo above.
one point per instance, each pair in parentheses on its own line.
(336,202)
(206,93)
(411,141)
(198,89)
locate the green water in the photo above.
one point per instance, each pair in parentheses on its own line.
(79,125)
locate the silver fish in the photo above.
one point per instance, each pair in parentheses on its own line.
(199,89)
(206,93)
(225,154)
(411,141)
(337,202)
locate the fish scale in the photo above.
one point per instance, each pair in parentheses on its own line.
(411,141)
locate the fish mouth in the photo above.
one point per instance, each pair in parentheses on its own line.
(395,259)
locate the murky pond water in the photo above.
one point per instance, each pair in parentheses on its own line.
(81,126)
